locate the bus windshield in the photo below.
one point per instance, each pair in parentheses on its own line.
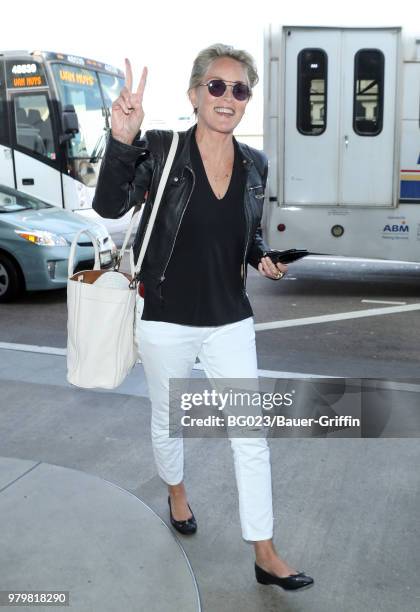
(111,87)
(80,87)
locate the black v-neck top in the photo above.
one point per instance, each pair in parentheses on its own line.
(203,285)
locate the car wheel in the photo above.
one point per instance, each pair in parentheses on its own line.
(11,284)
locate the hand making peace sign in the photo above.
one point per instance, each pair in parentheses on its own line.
(127,110)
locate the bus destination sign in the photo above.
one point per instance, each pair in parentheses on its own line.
(25,75)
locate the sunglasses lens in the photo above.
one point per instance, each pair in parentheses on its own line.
(216,87)
(241,91)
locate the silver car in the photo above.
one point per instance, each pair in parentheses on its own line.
(35,239)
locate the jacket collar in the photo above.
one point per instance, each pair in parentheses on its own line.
(185,143)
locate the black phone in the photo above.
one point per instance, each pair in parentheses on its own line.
(286,257)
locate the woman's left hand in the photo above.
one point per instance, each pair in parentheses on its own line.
(274,271)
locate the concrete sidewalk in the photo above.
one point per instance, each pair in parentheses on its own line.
(67,530)
(80,507)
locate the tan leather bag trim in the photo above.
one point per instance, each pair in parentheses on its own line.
(90,276)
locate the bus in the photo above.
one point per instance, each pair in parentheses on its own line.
(342,133)
(54,116)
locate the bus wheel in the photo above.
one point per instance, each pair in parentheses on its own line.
(11,284)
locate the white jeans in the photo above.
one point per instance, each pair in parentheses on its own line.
(169,350)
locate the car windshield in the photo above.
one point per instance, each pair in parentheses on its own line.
(15,202)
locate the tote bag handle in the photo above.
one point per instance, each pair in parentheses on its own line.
(162,183)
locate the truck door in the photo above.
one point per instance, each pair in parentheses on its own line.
(340,116)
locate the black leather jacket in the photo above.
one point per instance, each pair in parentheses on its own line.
(130,174)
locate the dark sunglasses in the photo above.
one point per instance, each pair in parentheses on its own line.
(217,88)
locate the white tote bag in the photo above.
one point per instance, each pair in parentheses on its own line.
(101,310)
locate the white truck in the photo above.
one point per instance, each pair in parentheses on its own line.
(342,133)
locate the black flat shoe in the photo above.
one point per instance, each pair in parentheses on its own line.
(187,527)
(290,583)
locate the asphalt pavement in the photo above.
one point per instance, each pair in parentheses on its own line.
(83,509)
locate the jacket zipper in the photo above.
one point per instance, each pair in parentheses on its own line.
(248,232)
(246,247)
(162,278)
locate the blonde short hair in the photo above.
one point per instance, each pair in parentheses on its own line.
(209,54)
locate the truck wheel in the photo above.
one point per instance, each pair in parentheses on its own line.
(11,284)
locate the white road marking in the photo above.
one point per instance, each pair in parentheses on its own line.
(397,386)
(359,260)
(52,350)
(33,348)
(383,384)
(381,302)
(342,316)
(277,373)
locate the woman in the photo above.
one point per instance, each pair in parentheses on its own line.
(195,303)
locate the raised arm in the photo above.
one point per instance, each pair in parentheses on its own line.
(127,112)
(126,168)
(124,178)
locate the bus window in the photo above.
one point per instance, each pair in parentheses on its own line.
(311,92)
(368,93)
(80,87)
(33,124)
